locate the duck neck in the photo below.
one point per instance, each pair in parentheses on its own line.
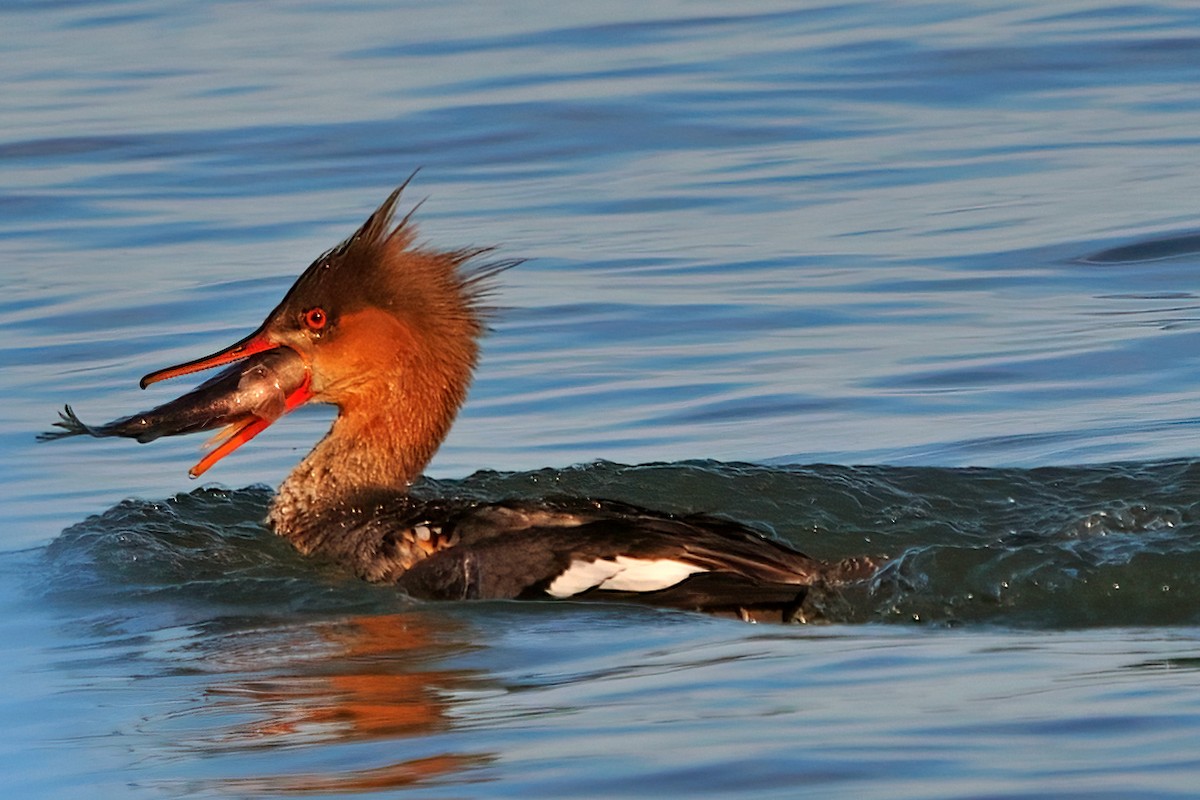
(365,457)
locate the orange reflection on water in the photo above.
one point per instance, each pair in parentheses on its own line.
(391,776)
(358,679)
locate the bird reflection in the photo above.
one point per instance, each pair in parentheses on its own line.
(354,680)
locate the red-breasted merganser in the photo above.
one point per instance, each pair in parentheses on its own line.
(388,332)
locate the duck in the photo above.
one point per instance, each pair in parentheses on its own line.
(387,330)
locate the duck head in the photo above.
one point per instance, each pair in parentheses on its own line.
(383,328)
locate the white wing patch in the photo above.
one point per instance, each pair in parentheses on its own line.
(622,574)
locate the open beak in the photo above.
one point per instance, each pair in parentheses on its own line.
(267,381)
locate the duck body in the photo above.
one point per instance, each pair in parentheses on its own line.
(571,548)
(388,332)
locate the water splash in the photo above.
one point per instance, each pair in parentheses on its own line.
(1048,548)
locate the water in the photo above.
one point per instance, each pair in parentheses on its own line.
(955,243)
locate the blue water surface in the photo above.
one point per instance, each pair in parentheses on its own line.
(957,242)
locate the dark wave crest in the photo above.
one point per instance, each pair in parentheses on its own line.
(1053,548)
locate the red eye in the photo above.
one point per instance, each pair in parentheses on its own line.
(315,319)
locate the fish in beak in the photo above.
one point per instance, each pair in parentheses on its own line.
(264,382)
